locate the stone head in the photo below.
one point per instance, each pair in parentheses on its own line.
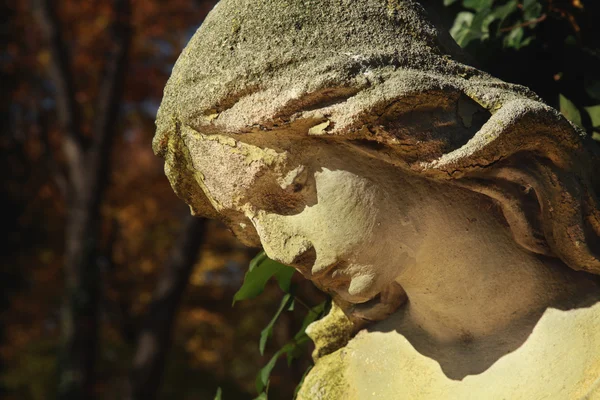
(330,144)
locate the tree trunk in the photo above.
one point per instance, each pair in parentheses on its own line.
(79,314)
(88,170)
(154,339)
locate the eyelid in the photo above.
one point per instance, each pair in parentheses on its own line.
(297,187)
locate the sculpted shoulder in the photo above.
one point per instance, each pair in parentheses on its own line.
(559,360)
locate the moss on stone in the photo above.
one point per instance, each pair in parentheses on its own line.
(330,333)
(327,380)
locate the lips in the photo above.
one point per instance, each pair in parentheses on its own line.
(337,279)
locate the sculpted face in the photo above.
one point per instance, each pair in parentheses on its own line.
(320,211)
(364,155)
(337,241)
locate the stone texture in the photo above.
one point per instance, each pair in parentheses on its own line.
(384,365)
(380,75)
(453,216)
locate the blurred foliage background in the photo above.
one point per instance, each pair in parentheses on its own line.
(109,290)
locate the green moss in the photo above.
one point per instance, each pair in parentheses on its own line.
(183,177)
(327,381)
(330,333)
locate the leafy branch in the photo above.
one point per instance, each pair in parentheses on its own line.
(260,271)
(513,23)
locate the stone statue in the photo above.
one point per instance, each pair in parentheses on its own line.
(454,218)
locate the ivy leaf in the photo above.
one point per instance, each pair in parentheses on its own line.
(262,379)
(260,271)
(532,9)
(311,317)
(478,5)
(469,26)
(284,276)
(295,352)
(293,349)
(218,395)
(569,110)
(301,337)
(268,331)
(504,11)
(515,39)
(460,30)
(594,113)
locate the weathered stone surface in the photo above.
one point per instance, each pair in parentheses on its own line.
(347,138)
(377,73)
(384,365)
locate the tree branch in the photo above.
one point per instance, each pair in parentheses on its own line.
(88,172)
(60,178)
(526,23)
(109,98)
(155,337)
(62,75)
(118,310)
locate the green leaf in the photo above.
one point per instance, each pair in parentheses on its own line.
(485,26)
(571,40)
(460,30)
(218,395)
(301,337)
(504,11)
(478,5)
(262,396)
(293,349)
(532,9)
(260,257)
(295,353)
(260,271)
(471,26)
(262,379)
(594,113)
(268,331)
(449,2)
(513,39)
(516,40)
(526,41)
(311,317)
(284,277)
(569,110)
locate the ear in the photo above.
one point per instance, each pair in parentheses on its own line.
(550,211)
(520,208)
(539,169)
